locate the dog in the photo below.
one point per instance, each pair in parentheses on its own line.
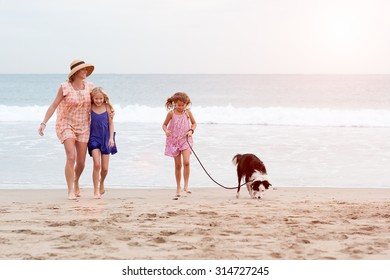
(253,169)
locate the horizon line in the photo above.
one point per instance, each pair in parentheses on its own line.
(108,73)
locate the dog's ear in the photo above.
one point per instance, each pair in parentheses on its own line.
(266,184)
(256,185)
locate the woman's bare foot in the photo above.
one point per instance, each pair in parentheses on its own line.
(72,196)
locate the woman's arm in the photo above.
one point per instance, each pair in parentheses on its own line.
(50,111)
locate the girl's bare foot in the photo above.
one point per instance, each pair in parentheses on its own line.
(187,191)
(102,190)
(97,196)
(76,188)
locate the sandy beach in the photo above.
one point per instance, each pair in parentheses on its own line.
(210,223)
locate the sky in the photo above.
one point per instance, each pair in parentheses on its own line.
(196,36)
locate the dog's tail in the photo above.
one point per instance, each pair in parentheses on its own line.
(236,159)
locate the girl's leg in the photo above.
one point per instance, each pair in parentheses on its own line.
(186,171)
(178,174)
(70,151)
(103,172)
(95,172)
(81,152)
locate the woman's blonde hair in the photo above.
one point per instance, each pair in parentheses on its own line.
(178,96)
(97,90)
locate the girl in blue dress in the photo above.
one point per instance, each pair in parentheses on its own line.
(101,141)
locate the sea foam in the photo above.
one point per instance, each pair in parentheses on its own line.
(283,116)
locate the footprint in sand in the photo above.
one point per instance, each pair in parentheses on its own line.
(134,244)
(187,247)
(172,214)
(96,241)
(343,236)
(124,238)
(4,211)
(315,222)
(276,255)
(60,224)
(211,213)
(167,233)
(208,239)
(4,241)
(213,224)
(148,216)
(159,240)
(27,231)
(369,228)
(231,232)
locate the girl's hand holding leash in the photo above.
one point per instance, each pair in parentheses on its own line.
(190,132)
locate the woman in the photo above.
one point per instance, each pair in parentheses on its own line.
(73,105)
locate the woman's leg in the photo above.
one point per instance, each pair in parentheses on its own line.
(186,171)
(95,173)
(178,174)
(81,152)
(104,172)
(70,151)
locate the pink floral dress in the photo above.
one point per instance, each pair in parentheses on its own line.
(74,113)
(177,141)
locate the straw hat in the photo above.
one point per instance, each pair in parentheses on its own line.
(77,64)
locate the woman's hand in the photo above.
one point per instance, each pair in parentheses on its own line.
(41,128)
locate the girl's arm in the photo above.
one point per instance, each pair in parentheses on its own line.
(193,124)
(50,111)
(111,142)
(166,122)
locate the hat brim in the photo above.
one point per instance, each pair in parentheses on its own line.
(89,67)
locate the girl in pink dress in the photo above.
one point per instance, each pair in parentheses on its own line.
(179,124)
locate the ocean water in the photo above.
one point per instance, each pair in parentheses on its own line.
(309,130)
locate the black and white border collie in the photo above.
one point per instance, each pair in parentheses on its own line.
(253,169)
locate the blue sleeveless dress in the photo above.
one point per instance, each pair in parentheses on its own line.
(100,134)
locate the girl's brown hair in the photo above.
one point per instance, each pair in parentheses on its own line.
(97,90)
(178,96)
